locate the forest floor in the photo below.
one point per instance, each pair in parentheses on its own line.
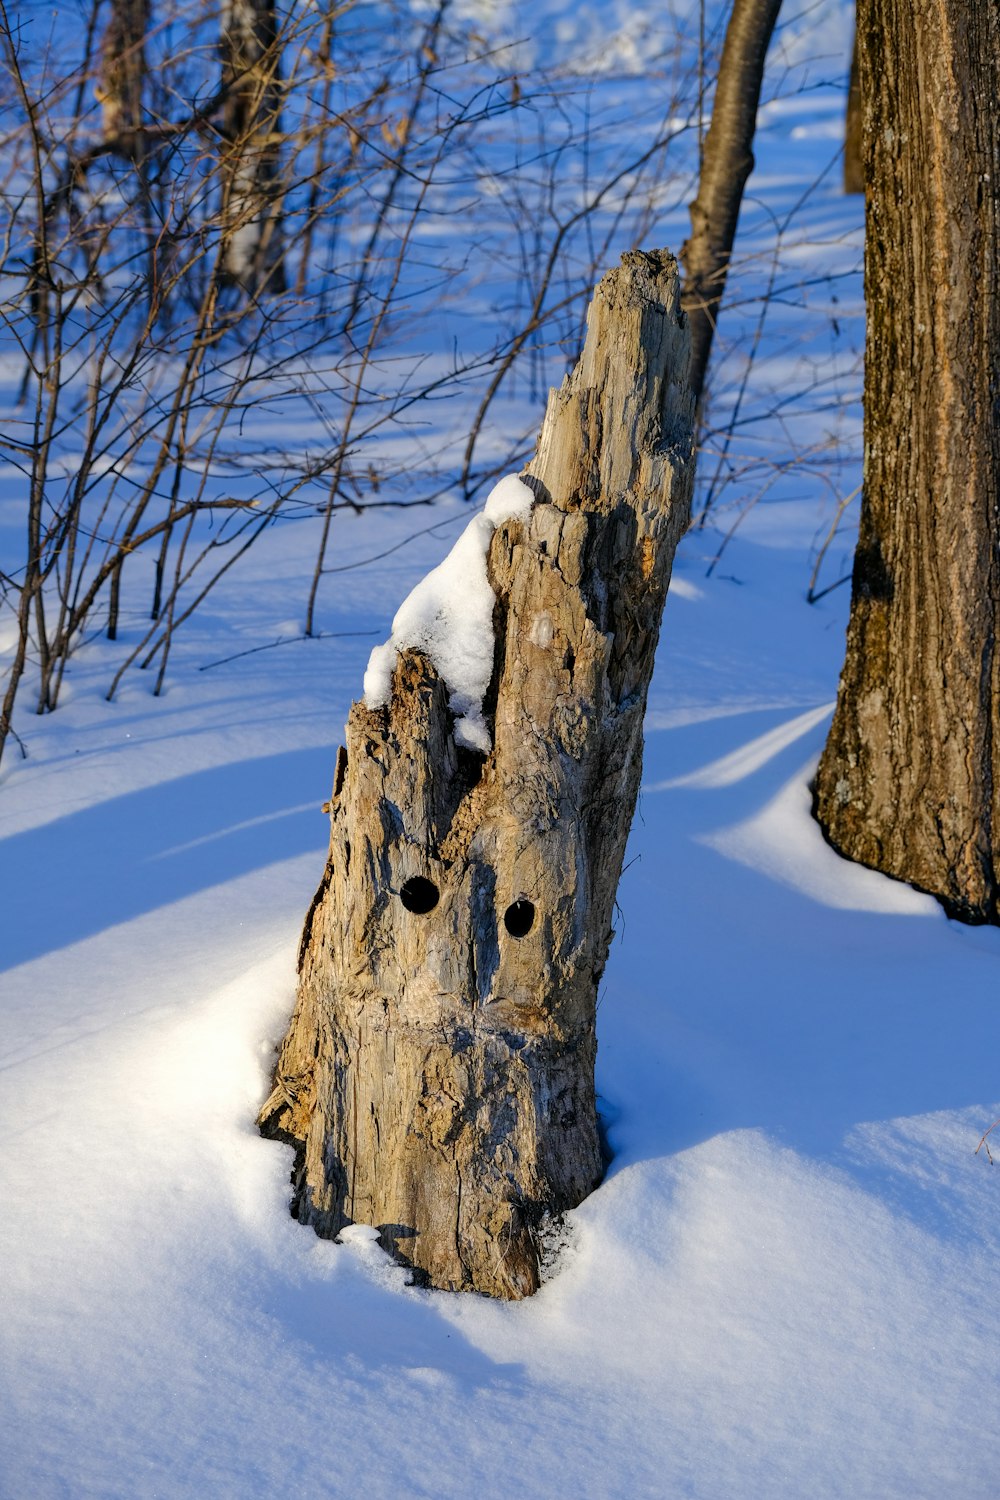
(782,1289)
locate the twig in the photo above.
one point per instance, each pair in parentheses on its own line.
(983,1142)
(842,505)
(287,640)
(814,598)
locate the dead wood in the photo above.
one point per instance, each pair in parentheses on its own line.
(437,1078)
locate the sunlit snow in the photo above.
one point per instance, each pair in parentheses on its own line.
(449,617)
(784,1287)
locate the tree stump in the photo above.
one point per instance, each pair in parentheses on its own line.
(437,1077)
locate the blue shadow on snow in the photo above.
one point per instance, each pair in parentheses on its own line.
(127,856)
(734,1000)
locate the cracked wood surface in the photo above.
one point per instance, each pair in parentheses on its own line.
(437,1077)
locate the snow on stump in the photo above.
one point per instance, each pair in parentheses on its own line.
(437,1076)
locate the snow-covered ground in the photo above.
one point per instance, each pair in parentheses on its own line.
(783,1289)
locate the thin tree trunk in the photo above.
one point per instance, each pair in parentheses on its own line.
(854,170)
(123,74)
(727,162)
(437,1078)
(16,669)
(907,781)
(251,124)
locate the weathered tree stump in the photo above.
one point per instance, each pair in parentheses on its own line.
(437,1078)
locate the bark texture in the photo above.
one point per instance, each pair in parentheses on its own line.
(906,783)
(854,167)
(727,162)
(437,1078)
(123,74)
(251,127)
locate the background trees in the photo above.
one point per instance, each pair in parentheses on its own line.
(251,261)
(726,163)
(121,78)
(250,209)
(245,293)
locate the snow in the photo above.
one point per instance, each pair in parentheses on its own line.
(782,1289)
(783,842)
(449,617)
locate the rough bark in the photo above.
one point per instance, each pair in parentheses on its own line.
(123,74)
(437,1078)
(906,782)
(854,169)
(727,161)
(251,128)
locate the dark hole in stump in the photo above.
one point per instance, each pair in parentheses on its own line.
(519,918)
(419,895)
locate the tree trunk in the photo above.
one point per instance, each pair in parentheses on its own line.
(854,170)
(251,125)
(906,782)
(123,74)
(726,164)
(437,1078)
